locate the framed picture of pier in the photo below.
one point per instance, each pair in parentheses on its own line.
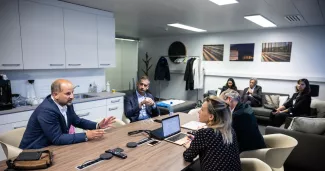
(213,52)
(242,52)
(276,52)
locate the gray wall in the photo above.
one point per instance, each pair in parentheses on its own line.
(307,61)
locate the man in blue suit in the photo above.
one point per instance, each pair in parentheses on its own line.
(140,105)
(52,119)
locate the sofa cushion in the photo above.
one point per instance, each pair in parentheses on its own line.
(282,100)
(308,125)
(261,111)
(272,100)
(319,105)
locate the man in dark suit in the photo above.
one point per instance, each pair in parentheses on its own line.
(252,95)
(140,105)
(244,123)
(51,122)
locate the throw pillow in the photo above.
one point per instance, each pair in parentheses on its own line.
(319,105)
(308,125)
(282,100)
(272,100)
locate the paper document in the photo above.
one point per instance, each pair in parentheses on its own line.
(194,125)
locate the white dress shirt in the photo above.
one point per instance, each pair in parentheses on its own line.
(63,110)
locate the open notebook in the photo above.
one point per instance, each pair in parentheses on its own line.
(194,125)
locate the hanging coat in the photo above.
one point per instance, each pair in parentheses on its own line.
(162,70)
(188,76)
(198,73)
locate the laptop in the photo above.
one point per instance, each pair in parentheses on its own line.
(170,131)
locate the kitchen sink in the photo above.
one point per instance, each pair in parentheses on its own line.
(83,96)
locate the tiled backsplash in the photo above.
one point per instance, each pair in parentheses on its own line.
(44,78)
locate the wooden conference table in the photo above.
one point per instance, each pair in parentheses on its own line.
(164,156)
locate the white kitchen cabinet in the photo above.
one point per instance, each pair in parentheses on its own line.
(80,39)
(106,42)
(10,42)
(115,110)
(94,114)
(42,35)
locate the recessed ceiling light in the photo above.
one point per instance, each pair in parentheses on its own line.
(182,26)
(224,2)
(260,20)
(131,40)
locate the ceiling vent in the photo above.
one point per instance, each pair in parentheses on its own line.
(294,18)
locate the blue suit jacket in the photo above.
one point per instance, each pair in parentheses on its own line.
(47,126)
(132,110)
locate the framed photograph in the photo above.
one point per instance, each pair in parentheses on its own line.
(276,52)
(242,52)
(213,52)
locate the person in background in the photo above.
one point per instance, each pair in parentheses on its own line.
(216,145)
(229,85)
(53,121)
(298,104)
(252,95)
(140,104)
(244,123)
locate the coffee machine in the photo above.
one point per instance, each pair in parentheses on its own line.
(5,95)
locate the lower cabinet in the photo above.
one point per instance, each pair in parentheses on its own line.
(92,114)
(115,110)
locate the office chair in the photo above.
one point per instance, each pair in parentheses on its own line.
(279,147)
(10,142)
(253,164)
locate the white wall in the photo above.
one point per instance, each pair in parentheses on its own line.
(307,60)
(44,78)
(126,65)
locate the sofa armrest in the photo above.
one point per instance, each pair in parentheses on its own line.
(308,154)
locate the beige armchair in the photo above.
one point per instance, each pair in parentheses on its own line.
(10,142)
(125,119)
(279,147)
(253,164)
(194,111)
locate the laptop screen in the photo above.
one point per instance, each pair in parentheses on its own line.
(171,125)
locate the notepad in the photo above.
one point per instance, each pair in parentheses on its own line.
(193,125)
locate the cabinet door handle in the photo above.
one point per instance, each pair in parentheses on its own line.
(10,65)
(74,64)
(83,115)
(19,127)
(110,109)
(56,64)
(104,64)
(115,101)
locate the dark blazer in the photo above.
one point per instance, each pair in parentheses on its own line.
(257,93)
(132,110)
(301,106)
(47,126)
(224,88)
(162,70)
(188,76)
(245,125)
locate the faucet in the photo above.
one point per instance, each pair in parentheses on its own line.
(76,86)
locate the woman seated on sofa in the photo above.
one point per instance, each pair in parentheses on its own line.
(298,104)
(216,145)
(229,85)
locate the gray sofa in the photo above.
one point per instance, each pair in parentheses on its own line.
(308,155)
(261,112)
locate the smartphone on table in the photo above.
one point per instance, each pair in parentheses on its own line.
(153,143)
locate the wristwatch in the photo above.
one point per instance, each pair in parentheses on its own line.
(86,138)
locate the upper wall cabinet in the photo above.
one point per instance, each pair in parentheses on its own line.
(106,41)
(42,36)
(10,42)
(80,39)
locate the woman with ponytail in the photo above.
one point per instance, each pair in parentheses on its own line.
(216,145)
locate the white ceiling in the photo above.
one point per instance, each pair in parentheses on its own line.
(147,18)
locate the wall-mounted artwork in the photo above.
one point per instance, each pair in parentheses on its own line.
(242,52)
(213,52)
(276,52)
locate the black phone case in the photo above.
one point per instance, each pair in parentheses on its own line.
(29,156)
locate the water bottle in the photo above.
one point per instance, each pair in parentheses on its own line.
(108,88)
(170,109)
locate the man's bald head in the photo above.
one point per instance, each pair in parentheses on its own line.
(57,84)
(62,91)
